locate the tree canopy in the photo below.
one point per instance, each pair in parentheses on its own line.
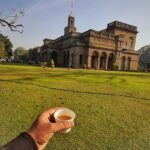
(9,21)
(2,50)
(7,44)
(21,54)
(144,56)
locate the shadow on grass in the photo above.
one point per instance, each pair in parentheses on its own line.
(76,72)
(17,64)
(75,91)
(108,73)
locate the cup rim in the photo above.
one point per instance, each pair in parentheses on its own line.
(63,109)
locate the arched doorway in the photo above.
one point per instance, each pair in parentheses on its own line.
(103,61)
(128,63)
(111,60)
(54,57)
(123,63)
(94,60)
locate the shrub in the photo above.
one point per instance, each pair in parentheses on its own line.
(84,66)
(52,65)
(115,67)
(43,64)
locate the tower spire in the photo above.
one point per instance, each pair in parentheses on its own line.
(71,9)
(71,22)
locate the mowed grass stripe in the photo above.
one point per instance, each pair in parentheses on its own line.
(103,121)
(82,92)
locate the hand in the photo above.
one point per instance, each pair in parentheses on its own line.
(44,127)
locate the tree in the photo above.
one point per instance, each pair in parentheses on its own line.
(7,44)
(2,49)
(10,21)
(20,54)
(144,56)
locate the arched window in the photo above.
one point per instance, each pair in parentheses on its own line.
(128,63)
(103,60)
(111,60)
(123,61)
(94,60)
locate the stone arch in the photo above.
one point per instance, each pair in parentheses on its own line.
(128,63)
(94,59)
(123,63)
(103,60)
(54,56)
(111,60)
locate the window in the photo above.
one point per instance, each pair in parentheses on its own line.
(126,46)
(131,41)
(120,43)
(81,59)
(71,22)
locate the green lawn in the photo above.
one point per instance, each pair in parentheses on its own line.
(113,108)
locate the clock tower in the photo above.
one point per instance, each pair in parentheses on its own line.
(71,25)
(71,22)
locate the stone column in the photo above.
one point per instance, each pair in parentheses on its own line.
(98,63)
(64,59)
(70,58)
(106,66)
(89,61)
(126,63)
(48,55)
(76,61)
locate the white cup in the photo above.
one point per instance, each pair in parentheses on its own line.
(64,112)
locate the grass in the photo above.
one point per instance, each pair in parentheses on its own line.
(112,108)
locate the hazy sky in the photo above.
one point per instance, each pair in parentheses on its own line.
(47,18)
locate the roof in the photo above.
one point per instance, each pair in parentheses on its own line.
(121,25)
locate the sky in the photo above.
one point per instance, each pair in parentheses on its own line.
(47,18)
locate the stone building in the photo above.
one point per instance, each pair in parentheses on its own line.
(93,49)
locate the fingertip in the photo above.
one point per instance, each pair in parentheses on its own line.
(53,110)
(62,125)
(69,124)
(72,124)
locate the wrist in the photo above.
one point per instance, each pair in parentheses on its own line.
(40,144)
(33,137)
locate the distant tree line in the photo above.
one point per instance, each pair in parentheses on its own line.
(21,55)
(144,60)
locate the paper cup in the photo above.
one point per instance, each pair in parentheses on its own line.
(63,115)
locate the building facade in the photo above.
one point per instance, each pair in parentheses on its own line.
(93,49)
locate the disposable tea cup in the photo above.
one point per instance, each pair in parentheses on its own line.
(62,115)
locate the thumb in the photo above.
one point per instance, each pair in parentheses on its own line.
(62,125)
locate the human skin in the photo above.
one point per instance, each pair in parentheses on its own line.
(44,127)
